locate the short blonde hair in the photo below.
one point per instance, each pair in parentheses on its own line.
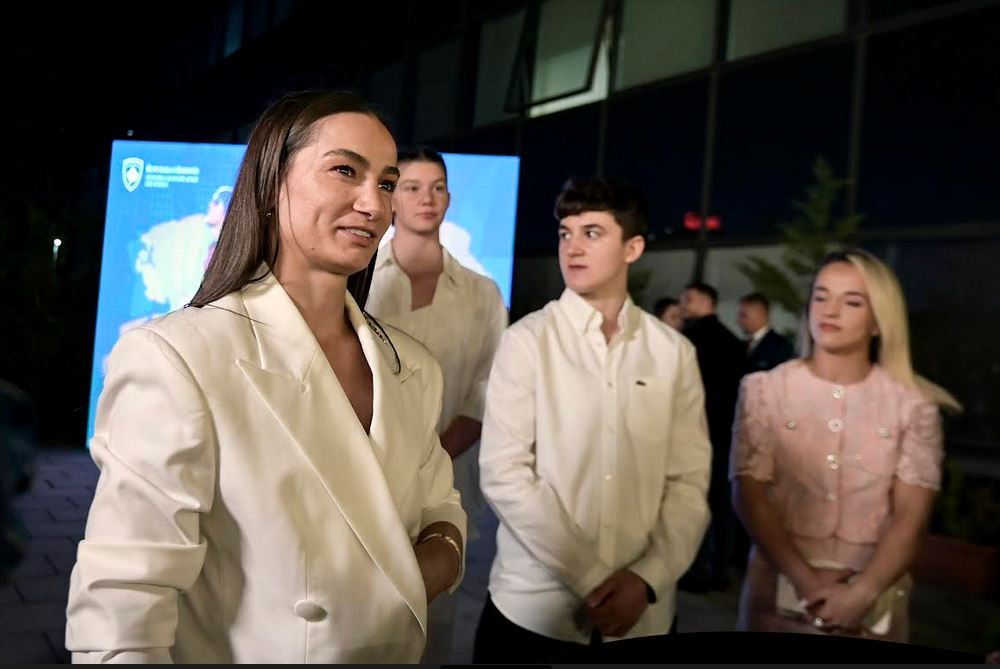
(892,348)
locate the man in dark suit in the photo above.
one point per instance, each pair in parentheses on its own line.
(765,348)
(720,359)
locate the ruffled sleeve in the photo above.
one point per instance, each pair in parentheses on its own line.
(752,453)
(921,448)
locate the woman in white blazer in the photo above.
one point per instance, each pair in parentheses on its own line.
(272,485)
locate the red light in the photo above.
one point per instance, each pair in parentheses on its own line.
(713,222)
(692,221)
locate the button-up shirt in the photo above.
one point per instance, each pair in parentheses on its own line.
(595,456)
(831,453)
(461,327)
(756,337)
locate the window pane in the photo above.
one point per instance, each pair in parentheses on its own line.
(656,140)
(385,90)
(756,26)
(498,40)
(281,11)
(954,318)
(500,139)
(234,27)
(881,9)
(774,119)
(567,30)
(556,147)
(257,17)
(437,90)
(661,38)
(598,87)
(931,134)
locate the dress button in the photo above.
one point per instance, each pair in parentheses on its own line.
(790,425)
(838,392)
(309,610)
(836,425)
(883,432)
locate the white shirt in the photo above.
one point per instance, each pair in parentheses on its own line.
(756,337)
(596,457)
(461,327)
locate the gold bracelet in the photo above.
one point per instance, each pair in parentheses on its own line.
(454,544)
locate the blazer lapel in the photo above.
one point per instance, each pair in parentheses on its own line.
(389,372)
(295,381)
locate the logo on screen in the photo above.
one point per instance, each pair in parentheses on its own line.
(132,173)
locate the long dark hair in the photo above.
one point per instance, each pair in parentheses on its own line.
(249,234)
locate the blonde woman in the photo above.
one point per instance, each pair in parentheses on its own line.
(835,463)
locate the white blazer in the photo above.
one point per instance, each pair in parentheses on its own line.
(242,513)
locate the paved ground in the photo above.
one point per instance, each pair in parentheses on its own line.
(33,607)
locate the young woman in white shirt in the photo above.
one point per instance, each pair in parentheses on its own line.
(458,315)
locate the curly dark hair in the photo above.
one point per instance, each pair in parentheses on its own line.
(623,201)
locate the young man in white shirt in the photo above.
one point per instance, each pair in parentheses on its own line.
(595,453)
(459,315)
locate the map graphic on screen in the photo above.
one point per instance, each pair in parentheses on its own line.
(167,201)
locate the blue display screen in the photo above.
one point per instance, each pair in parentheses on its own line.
(166,202)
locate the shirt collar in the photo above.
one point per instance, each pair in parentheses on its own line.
(385,256)
(584,317)
(760,334)
(451,267)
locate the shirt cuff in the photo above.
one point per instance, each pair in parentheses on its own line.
(144,656)
(593,577)
(651,569)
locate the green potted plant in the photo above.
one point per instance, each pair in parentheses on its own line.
(808,237)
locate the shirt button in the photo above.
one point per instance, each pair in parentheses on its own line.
(838,392)
(834,461)
(883,432)
(790,425)
(309,610)
(610,385)
(607,477)
(830,497)
(836,425)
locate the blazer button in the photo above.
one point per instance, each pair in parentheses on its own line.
(309,610)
